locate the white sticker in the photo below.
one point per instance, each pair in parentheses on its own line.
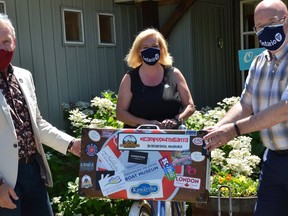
(140,172)
(197,156)
(112,184)
(153,142)
(86,181)
(109,159)
(144,189)
(198,141)
(94,135)
(187,182)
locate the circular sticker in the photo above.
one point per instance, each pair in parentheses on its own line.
(197,156)
(94,135)
(86,181)
(91,150)
(197,141)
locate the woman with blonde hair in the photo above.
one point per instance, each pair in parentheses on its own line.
(134,60)
(153,92)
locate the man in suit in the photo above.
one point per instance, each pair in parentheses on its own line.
(24,170)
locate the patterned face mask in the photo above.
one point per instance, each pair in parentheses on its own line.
(150,55)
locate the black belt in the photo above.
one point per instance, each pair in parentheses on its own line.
(281,152)
(27,160)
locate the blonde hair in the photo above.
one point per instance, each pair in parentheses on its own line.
(133,58)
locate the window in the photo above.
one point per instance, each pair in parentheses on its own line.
(2,7)
(106,29)
(73,32)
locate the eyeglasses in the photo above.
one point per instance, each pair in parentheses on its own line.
(277,22)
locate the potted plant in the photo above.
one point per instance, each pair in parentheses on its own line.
(236,165)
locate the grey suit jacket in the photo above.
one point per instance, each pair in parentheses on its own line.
(44,132)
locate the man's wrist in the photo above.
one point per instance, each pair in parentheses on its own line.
(237,129)
(70,145)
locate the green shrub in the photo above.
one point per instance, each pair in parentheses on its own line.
(101,113)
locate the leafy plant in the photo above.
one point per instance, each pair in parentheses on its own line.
(240,186)
(233,165)
(101,113)
(73,204)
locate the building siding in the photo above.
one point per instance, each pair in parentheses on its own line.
(209,70)
(65,74)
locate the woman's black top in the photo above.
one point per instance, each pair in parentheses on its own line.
(154,102)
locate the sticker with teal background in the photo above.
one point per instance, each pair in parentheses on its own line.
(247,56)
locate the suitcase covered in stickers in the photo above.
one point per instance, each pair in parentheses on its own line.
(143,164)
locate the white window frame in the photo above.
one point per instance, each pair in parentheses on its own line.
(82,40)
(3,2)
(113,29)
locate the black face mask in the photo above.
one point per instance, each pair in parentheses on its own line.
(150,55)
(272,37)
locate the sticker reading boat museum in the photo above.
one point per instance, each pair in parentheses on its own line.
(144,171)
(157,142)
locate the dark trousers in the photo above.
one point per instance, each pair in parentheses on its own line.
(33,198)
(273,186)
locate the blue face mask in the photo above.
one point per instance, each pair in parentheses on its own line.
(272,37)
(150,55)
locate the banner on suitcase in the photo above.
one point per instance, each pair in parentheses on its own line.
(170,165)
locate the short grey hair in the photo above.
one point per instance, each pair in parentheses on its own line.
(4,18)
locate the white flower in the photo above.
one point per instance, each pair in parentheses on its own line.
(78,118)
(218,156)
(102,103)
(238,158)
(97,123)
(56,200)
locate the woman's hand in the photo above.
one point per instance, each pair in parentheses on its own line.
(169,124)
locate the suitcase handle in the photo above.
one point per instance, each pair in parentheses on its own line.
(219,198)
(148,126)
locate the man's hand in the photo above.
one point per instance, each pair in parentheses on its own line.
(76,147)
(6,195)
(220,136)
